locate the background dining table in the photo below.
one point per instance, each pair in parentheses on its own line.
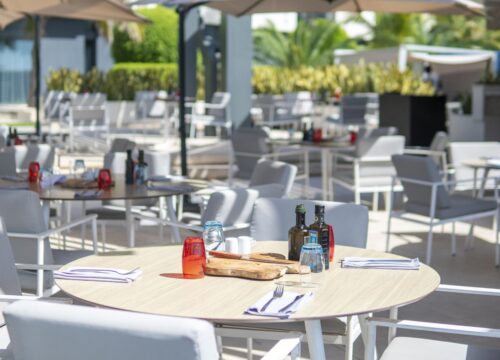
(164,190)
(162,290)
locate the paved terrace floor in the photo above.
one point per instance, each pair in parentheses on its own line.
(473,268)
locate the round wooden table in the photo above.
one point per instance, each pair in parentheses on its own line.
(341,292)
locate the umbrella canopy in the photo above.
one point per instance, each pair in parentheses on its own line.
(248,7)
(7,17)
(94,10)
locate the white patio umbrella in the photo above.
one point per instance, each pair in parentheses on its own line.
(93,10)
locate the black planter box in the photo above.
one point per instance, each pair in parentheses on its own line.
(418,118)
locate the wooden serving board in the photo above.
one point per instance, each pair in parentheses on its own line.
(244,269)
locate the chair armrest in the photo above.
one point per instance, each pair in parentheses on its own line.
(436,327)
(54,230)
(469,290)
(37,267)
(251,154)
(423,152)
(12,298)
(282,349)
(344,156)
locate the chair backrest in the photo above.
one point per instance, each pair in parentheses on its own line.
(36,330)
(249,141)
(423,169)
(439,141)
(466,151)
(148,104)
(222,99)
(353,109)
(301,102)
(7,162)
(44,154)
(380,147)
(115,162)
(230,207)
(89,118)
(9,282)
(274,172)
(22,213)
(94,100)
(272,218)
(121,145)
(158,163)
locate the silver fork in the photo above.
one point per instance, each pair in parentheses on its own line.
(278,292)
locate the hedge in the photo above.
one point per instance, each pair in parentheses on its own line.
(124,79)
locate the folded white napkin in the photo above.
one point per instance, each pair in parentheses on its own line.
(163,178)
(52,180)
(87,194)
(371,263)
(175,188)
(281,307)
(98,274)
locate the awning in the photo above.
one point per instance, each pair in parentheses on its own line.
(450,59)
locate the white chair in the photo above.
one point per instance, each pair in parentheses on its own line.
(121,145)
(232,207)
(430,203)
(271,220)
(251,145)
(30,239)
(413,348)
(217,114)
(353,110)
(465,151)
(46,331)
(371,170)
(7,163)
(272,112)
(436,150)
(44,154)
(113,212)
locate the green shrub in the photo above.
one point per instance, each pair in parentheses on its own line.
(158,40)
(64,79)
(124,79)
(93,81)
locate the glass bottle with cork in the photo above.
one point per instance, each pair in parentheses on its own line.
(319,233)
(298,235)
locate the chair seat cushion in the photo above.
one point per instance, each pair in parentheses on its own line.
(346,176)
(418,349)
(460,205)
(104,213)
(335,326)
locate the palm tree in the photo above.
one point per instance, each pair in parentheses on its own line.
(311,44)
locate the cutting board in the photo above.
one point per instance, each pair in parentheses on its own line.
(244,269)
(292,267)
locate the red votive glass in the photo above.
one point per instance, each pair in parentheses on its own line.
(194,258)
(354,137)
(33,171)
(318,135)
(332,243)
(104,179)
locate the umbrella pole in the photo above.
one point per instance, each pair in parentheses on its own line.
(37,73)
(182,11)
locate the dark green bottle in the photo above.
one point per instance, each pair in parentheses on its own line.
(298,234)
(320,232)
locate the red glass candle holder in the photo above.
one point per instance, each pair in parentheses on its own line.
(354,137)
(194,258)
(33,171)
(104,179)
(318,135)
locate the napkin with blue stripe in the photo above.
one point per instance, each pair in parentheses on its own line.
(282,307)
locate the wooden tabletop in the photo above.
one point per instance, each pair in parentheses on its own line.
(120,191)
(480,164)
(222,299)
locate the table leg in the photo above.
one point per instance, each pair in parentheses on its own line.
(479,194)
(324,172)
(315,340)
(128,220)
(46,211)
(173,217)
(483,182)
(474,191)
(363,324)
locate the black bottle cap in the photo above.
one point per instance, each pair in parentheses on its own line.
(319,209)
